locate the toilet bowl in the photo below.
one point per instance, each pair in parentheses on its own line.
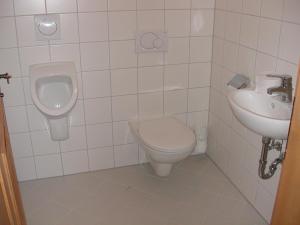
(54,92)
(166,141)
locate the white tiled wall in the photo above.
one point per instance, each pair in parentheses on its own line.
(250,37)
(115,83)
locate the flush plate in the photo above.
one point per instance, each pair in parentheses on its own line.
(47,27)
(150,41)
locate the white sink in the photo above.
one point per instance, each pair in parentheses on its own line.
(261,113)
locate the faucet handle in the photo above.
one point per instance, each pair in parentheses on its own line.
(281,76)
(286,80)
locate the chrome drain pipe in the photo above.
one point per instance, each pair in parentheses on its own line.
(267,145)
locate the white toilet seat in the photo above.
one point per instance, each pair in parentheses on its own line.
(167,135)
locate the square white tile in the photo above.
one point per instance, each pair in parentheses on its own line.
(10,61)
(178,51)
(14,94)
(21,145)
(198,4)
(96,84)
(177,23)
(126,155)
(151,105)
(124,107)
(234,5)
(150,79)
(29,7)
(289,47)
(76,141)
(122,133)
(124,81)
(219,23)
(37,121)
(200,49)
(75,162)
(200,74)
(8,39)
(232,26)
(151,59)
(33,55)
(77,114)
(175,102)
(252,7)
(25,168)
(122,54)
(66,52)
(99,135)
(176,77)
(198,99)
(177,4)
(97,110)
(7,8)
(101,158)
(154,4)
(122,25)
(92,5)
(291,11)
(57,6)
(269,34)
(121,4)
(16,118)
(150,20)
(265,64)
(93,26)
(272,8)
(94,56)
(246,61)
(249,31)
(202,22)
(43,144)
(48,166)
(230,55)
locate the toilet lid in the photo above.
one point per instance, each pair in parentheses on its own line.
(166,134)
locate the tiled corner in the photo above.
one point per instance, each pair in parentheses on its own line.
(251,37)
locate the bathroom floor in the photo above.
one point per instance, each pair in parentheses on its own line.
(196,193)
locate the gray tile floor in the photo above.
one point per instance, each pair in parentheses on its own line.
(196,193)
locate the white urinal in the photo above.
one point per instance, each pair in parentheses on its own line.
(54,92)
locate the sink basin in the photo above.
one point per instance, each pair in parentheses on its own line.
(261,113)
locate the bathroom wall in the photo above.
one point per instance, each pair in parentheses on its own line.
(250,37)
(116,84)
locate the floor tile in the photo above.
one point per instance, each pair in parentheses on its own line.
(196,193)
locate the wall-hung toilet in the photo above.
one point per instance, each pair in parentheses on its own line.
(166,141)
(54,92)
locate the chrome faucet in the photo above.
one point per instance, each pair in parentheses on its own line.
(285,89)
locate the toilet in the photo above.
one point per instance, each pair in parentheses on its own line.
(166,141)
(54,92)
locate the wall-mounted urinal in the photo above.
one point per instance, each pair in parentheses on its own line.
(54,92)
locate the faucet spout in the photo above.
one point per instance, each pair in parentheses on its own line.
(285,89)
(273,90)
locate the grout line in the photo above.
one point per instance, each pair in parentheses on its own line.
(236,187)
(111,100)
(23,90)
(278,47)
(83,100)
(164,66)
(189,72)
(211,72)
